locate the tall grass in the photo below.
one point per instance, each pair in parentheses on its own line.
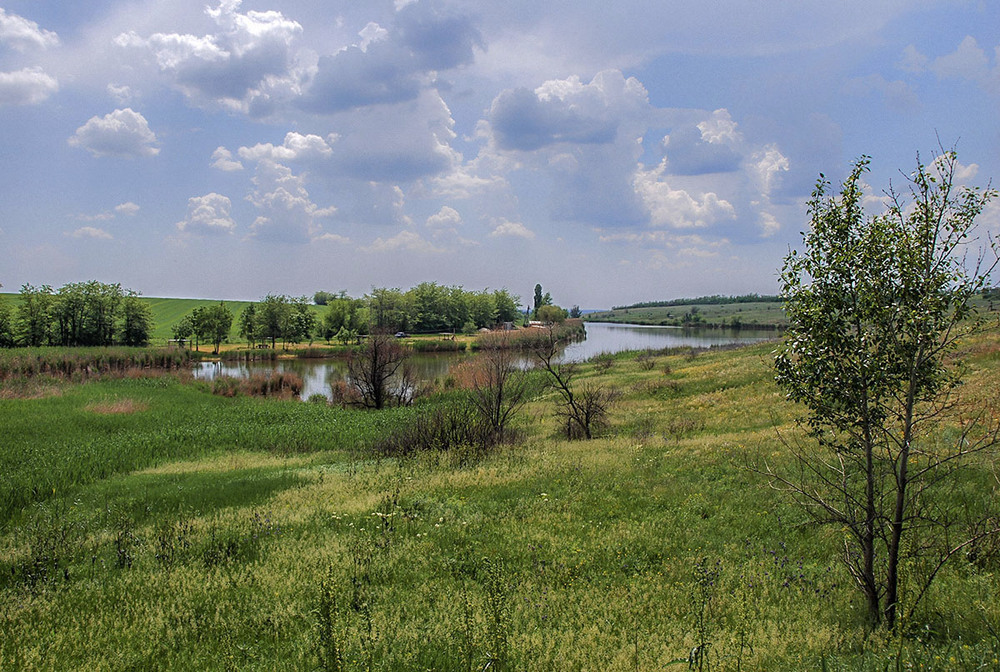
(83,363)
(260,535)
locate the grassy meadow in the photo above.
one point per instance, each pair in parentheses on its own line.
(150,525)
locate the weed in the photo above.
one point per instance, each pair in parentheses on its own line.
(330,643)
(498,617)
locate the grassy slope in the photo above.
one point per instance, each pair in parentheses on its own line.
(767,313)
(762,313)
(208,548)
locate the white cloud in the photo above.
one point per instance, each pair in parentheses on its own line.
(21,34)
(445,219)
(91,232)
(403,241)
(122,133)
(128,209)
(331,238)
(296,147)
(505,229)
(29,86)
(968,61)
(222,159)
(244,66)
(208,214)
(768,164)
(676,208)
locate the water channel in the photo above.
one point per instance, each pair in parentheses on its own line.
(318,374)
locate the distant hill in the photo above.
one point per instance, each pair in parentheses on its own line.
(713,300)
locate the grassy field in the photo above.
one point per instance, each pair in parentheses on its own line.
(150,525)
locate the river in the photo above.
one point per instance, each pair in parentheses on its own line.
(318,374)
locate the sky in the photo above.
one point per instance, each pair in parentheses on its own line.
(611,152)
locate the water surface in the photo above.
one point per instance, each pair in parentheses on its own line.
(318,374)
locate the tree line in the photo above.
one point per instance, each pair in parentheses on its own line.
(713,300)
(425,308)
(77,314)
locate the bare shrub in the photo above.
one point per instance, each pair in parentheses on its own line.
(646,360)
(498,388)
(372,368)
(584,411)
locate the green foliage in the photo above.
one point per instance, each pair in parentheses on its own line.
(875,307)
(211,324)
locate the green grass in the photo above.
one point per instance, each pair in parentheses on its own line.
(202,529)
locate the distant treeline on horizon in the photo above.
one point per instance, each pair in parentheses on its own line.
(713,300)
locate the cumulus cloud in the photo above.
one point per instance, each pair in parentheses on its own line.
(91,232)
(508,229)
(222,159)
(296,147)
(243,66)
(22,34)
(128,209)
(210,214)
(29,86)
(446,219)
(676,208)
(122,133)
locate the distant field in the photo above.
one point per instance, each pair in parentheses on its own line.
(764,313)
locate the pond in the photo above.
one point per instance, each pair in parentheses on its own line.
(318,374)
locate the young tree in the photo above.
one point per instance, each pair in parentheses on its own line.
(584,409)
(551,314)
(248,324)
(212,324)
(875,305)
(272,314)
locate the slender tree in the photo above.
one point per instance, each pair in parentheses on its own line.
(875,306)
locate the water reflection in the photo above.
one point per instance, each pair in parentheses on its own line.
(319,374)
